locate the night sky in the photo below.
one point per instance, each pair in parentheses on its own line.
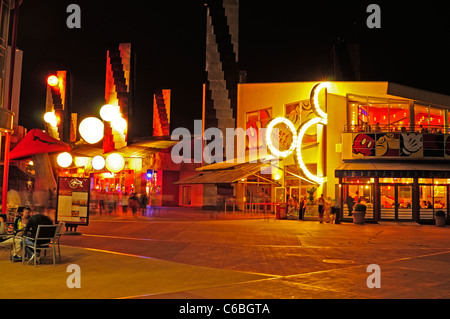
(279,41)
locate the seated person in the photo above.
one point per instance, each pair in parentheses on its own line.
(2,228)
(31,229)
(18,227)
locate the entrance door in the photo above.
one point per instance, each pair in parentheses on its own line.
(387,202)
(186,195)
(396,202)
(404,207)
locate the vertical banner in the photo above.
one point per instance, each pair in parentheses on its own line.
(73,200)
(73,127)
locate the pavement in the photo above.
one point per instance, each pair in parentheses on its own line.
(192,254)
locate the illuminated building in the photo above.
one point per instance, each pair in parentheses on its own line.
(384,143)
(107,153)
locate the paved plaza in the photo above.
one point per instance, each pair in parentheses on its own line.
(190,254)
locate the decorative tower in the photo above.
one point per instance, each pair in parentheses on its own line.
(118,91)
(222,70)
(161,113)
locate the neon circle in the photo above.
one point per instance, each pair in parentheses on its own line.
(291,127)
(303,128)
(315,99)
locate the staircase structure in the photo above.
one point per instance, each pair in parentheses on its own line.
(56,102)
(222,71)
(118,92)
(161,113)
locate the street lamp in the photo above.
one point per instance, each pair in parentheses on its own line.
(91,130)
(52,80)
(109,112)
(119,124)
(64,159)
(50,118)
(115,162)
(98,162)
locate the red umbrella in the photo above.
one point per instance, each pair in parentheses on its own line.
(37,142)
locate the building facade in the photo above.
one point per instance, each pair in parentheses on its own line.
(380,143)
(383,144)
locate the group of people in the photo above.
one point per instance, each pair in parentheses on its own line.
(23,231)
(297,206)
(324,207)
(109,202)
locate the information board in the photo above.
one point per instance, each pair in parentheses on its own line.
(73,200)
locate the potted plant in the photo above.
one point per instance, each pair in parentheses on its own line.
(439,218)
(311,211)
(359,214)
(311,190)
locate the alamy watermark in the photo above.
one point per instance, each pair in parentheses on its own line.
(237,146)
(374,280)
(74,279)
(74,19)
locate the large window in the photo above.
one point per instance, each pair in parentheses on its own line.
(429,119)
(367,114)
(433,196)
(358,190)
(372,114)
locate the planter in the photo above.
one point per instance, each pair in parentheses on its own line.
(440,221)
(359,217)
(311,213)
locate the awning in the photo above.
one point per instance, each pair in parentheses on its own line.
(225,176)
(394,169)
(141,149)
(37,142)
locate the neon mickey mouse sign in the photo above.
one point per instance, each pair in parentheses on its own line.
(297,139)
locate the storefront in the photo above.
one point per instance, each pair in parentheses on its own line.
(395,191)
(383,144)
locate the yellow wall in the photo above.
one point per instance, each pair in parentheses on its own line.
(256,96)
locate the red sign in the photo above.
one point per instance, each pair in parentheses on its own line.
(73,200)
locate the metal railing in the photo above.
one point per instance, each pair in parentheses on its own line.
(434,129)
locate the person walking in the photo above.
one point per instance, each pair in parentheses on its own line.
(350,203)
(321,202)
(302,206)
(134,203)
(125,199)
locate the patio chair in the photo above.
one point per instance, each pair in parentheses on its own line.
(44,240)
(59,232)
(5,232)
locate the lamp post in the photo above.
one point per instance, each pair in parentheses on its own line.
(17,4)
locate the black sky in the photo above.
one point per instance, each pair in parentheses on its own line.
(280,41)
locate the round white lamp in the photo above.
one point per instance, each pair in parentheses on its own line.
(91,130)
(115,162)
(64,159)
(109,112)
(98,162)
(119,124)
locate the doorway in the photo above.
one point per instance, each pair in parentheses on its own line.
(396,202)
(186,191)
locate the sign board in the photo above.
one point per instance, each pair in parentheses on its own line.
(73,200)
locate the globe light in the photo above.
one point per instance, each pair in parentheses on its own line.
(115,162)
(50,118)
(119,124)
(64,159)
(91,130)
(109,112)
(52,80)
(98,162)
